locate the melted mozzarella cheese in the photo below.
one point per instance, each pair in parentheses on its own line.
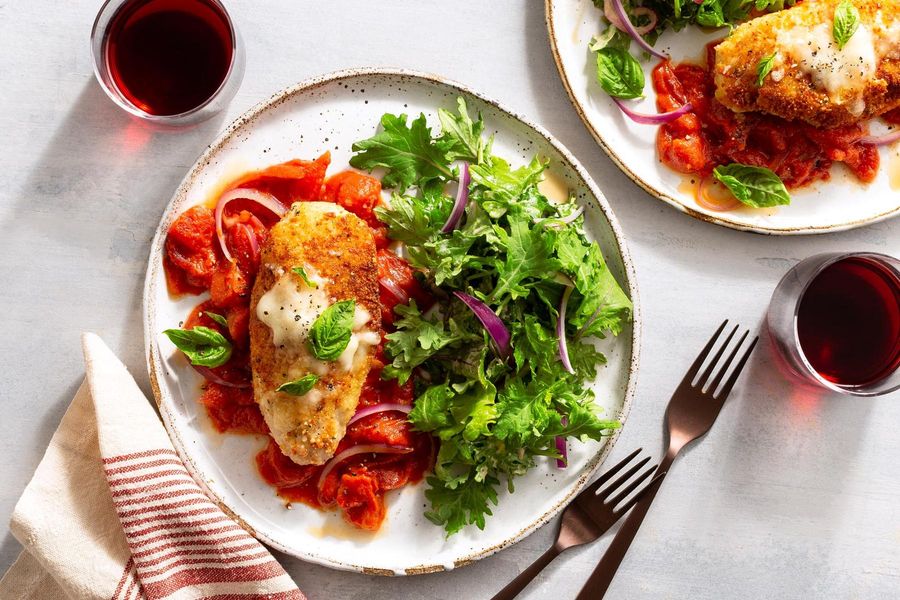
(360,340)
(841,72)
(291,307)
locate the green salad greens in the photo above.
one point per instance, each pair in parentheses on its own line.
(678,14)
(495,406)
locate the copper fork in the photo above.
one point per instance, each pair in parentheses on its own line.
(691,412)
(588,517)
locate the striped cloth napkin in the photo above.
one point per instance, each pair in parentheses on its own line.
(113,514)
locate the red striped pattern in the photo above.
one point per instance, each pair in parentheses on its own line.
(189,513)
(144,454)
(293,595)
(143,465)
(128,588)
(180,540)
(161,507)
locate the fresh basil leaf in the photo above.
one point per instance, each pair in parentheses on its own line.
(331,331)
(764,67)
(619,73)
(203,346)
(846,22)
(301,272)
(299,387)
(754,186)
(217,318)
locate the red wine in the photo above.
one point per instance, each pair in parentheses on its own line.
(848,322)
(169,56)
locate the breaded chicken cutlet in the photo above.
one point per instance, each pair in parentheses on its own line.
(812,79)
(335,251)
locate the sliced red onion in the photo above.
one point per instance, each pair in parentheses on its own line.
(265,200)
(378,408)
(558,222)
(654,119)
(650,14)
(574,215)
(491,322)
(563,279)
(713,195)
(353,451)
(628,27)
(563,449)
(210,375)
(881,140)
(561,330)
(610,13)
(395,290)
(462,198)
(252,240)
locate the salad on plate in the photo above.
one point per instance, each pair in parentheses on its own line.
(443,332)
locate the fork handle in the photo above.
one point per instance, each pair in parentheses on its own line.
(603,574)
(518,584)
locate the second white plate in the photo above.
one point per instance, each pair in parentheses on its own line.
(841,203)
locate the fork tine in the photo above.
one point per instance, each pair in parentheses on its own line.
(608,475)
(692,372)
(632,486)
(701,382)
(726,389)
(724,367)
(637,497)
(625,477)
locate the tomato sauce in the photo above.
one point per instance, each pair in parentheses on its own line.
(712,135)
(892,116)
(194,263)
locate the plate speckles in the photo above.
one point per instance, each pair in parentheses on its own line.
(271,132)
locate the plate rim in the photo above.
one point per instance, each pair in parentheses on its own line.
(662,195)
(154,360)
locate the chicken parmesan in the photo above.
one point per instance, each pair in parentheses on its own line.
(278,251)
(318,255)
(813,77)
(789,92)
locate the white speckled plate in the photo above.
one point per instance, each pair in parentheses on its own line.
(330,113)
(841,203)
